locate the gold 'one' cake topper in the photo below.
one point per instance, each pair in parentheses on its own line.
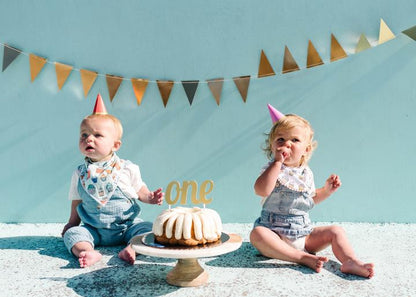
(191,186)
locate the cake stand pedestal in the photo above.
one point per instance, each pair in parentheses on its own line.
(187,271)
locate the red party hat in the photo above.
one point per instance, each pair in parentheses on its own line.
(275,114)
(99,107)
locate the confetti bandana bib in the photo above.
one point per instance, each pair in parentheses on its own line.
(299,179)
(99,179)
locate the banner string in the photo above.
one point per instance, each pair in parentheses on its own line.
(195,81)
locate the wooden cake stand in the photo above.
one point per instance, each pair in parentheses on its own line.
(187,272)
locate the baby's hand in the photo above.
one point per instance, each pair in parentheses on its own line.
(332,183)
(280,155)
(156,197)
(66,227)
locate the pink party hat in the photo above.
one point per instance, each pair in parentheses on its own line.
(99,107)
(275,114)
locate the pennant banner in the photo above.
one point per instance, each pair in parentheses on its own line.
(139,87)
(362,44)
(36,65)
(215,85)
(411,32)
(165,87)
(265,69)
(313,58)
(62,73)
(88,78)
(190,87)
(337,52)
(385,33)
(9,55)
(113,83)
(289,64)
(242,83)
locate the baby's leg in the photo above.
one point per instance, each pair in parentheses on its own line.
(321,237)
(128,254)
(86,254)
(271,245)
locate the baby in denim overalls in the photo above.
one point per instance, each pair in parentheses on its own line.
(104,192)
(284,231)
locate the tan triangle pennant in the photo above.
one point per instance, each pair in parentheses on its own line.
(313,58)
(289,63)
(362,44)
(9,55)
(385,33)
(88,78)
(265,69)
(215,85)
(139,87)
(242,83)
(337,52)
(411,32)
(113,83)
(36,65)
(62,73)
(165,88)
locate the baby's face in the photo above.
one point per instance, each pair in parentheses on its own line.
(293,144)
(98,139)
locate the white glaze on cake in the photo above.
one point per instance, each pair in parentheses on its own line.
(182,224)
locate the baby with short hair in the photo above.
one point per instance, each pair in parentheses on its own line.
(104,192)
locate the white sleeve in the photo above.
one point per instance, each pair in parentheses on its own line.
(136,177)
(73,189)
(130,182)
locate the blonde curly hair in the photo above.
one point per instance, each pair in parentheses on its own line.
(288,122)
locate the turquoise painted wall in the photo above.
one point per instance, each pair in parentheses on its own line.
(362,107)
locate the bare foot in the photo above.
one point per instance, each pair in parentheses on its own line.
(358,268)
(128,255)
(314,262)
(88,258)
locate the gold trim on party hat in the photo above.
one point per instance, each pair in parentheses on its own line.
(99,107)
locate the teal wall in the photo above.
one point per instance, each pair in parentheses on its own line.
(362,107)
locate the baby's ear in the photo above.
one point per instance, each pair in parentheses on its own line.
(117,145)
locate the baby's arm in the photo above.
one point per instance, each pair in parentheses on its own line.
(146,196)
(74,219)
(331,185)
(266,182)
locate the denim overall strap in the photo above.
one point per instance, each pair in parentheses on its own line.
(118,212)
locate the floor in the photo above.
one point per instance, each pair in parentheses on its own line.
(34,262)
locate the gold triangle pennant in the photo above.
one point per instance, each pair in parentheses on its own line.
(313,58)
(9,55)
(113,83)
(411,32)
(190,87)
(385,33)
(88,78)
(362,44)
(337,52)
(242,83)
(62,73)
(289,63)
(36,65)
(265,69)
(215,85)
(165,88)
(139,87)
